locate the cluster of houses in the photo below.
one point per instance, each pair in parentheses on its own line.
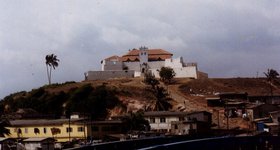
(261,112)
(139,61)
(44,133)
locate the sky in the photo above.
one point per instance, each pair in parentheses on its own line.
(226,38)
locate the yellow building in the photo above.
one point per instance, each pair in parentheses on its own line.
(60,129)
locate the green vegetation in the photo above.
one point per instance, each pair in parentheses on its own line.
(51,63)
(91,101)
(3,124)
(162,101)
(166,74)
(136,122)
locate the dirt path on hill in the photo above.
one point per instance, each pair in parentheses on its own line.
(185,103)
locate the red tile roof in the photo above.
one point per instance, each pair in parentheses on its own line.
(114,58)
(153,54)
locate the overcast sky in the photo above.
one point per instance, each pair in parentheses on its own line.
(226,38)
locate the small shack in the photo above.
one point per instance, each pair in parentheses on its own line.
(39,143)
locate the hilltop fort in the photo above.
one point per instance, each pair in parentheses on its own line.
(136,62)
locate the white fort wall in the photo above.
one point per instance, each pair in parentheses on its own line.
(186,72)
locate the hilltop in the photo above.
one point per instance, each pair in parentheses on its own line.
(130,94)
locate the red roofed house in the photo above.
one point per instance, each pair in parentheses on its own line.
(138,61)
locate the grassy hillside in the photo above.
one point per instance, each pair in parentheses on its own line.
(111,97)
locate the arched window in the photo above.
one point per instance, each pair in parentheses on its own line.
(19,131)
(36,131)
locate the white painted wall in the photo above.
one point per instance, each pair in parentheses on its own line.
(174,63)
(185,72)
(157,125)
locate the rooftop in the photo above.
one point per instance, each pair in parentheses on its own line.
(41,122)
(153,54)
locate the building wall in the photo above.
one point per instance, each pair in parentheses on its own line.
(157,125)
(186,72)
(200,117)
(103,75)
(155,64)
(174,63)
(133,65)
(112,65)
(182,128)
(62,137)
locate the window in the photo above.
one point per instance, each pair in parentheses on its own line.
(175,126)
(69,129)
(36,131)
(80,129)
(45,130)
(152,120)
(19,131)
(162,120)
(26,130)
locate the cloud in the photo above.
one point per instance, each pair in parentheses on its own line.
(226,38)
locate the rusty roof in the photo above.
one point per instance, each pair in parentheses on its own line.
(153,55)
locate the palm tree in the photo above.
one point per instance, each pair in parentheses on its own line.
(3,130)
(271,76)
(51,63)
(162,101)
(136,122)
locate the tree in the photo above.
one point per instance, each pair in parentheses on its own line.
(3,130)
(271,76)
(162,102)
(166,74)
(150,79)
(136,121)
(51,63)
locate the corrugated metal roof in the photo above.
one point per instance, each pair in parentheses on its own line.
(41,122)
(164,113)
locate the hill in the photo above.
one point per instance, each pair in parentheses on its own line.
(117,96)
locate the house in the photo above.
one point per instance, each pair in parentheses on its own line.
(138,61)
(63,130)
(202,116)
(6,143)
(161,120)
(60,129)
(260,110)
(237,96)
(196,123)
(39,143)
(189,127)
(234,100)
(100,129)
